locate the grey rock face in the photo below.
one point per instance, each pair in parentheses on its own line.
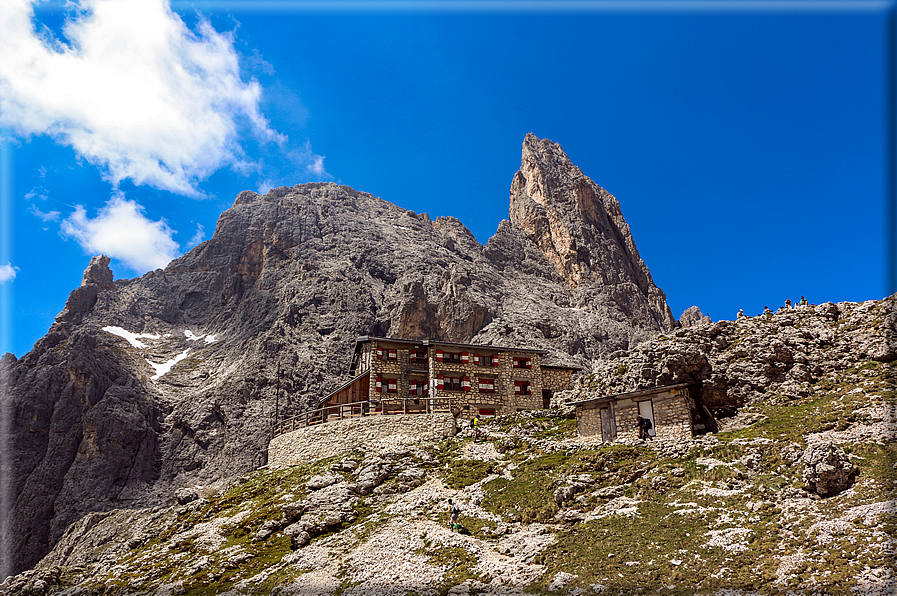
(579,228)
(262,318)
(827,469)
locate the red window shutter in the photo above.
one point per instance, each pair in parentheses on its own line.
(495,360)
(529,363)
(516,362)
(465,358)
(379,385)
(476,359)
(392,354)
(438,355)
(379,353)
(465,383)
(440,382)
(517,388)
(391,385)
(529,389)
(413,355)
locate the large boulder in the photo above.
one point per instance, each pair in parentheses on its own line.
(827,469)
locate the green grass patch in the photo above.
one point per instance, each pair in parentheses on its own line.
(467,472)
(457,563)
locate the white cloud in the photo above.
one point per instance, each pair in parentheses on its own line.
(36,193)
(7,272)
(134,91)
(197,237)
(316,167)
(49,216)
(121,231)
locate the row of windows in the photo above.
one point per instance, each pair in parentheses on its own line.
(421,356)
(420,387)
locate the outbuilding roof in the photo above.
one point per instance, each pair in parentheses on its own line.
(631,394)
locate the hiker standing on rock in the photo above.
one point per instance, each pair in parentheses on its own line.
(476,428)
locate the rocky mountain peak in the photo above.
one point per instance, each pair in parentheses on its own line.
(578,226)
(693,316)
(175,379)
(98,272)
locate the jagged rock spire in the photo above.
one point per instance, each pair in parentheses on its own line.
(578,225)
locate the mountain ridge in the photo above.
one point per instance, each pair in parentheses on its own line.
(285,285)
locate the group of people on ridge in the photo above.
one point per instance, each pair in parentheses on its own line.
(768,311)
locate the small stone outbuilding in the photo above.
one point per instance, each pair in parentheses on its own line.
(670,409)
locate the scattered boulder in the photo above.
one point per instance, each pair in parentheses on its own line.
(411,475)
(566,493)
(185,495)
(369,478)
(268,528)
(571,516)
(505,445)
(346,465)
(294,511)
(319,482)
(609,492)
(827,469)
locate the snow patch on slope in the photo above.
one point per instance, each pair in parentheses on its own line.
(163,368)
(193,337)
(133,338)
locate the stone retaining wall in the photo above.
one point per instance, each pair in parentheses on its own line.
(312,443)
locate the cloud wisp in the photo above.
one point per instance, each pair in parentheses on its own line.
(133,91)
(8,272)
(122,231)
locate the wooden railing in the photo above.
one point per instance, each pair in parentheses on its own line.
(383,407)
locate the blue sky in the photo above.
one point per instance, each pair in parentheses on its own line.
(747,142)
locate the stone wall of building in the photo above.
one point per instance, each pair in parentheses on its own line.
(672,416)
(503,399)
(312,443)
(557,379)
(672,420)
(588,421)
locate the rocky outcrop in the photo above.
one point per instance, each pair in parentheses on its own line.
(693,316)
(539,507)
(777,357)
(146,386)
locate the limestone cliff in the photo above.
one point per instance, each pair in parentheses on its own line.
(149,385)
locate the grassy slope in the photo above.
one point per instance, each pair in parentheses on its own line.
(708,520)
